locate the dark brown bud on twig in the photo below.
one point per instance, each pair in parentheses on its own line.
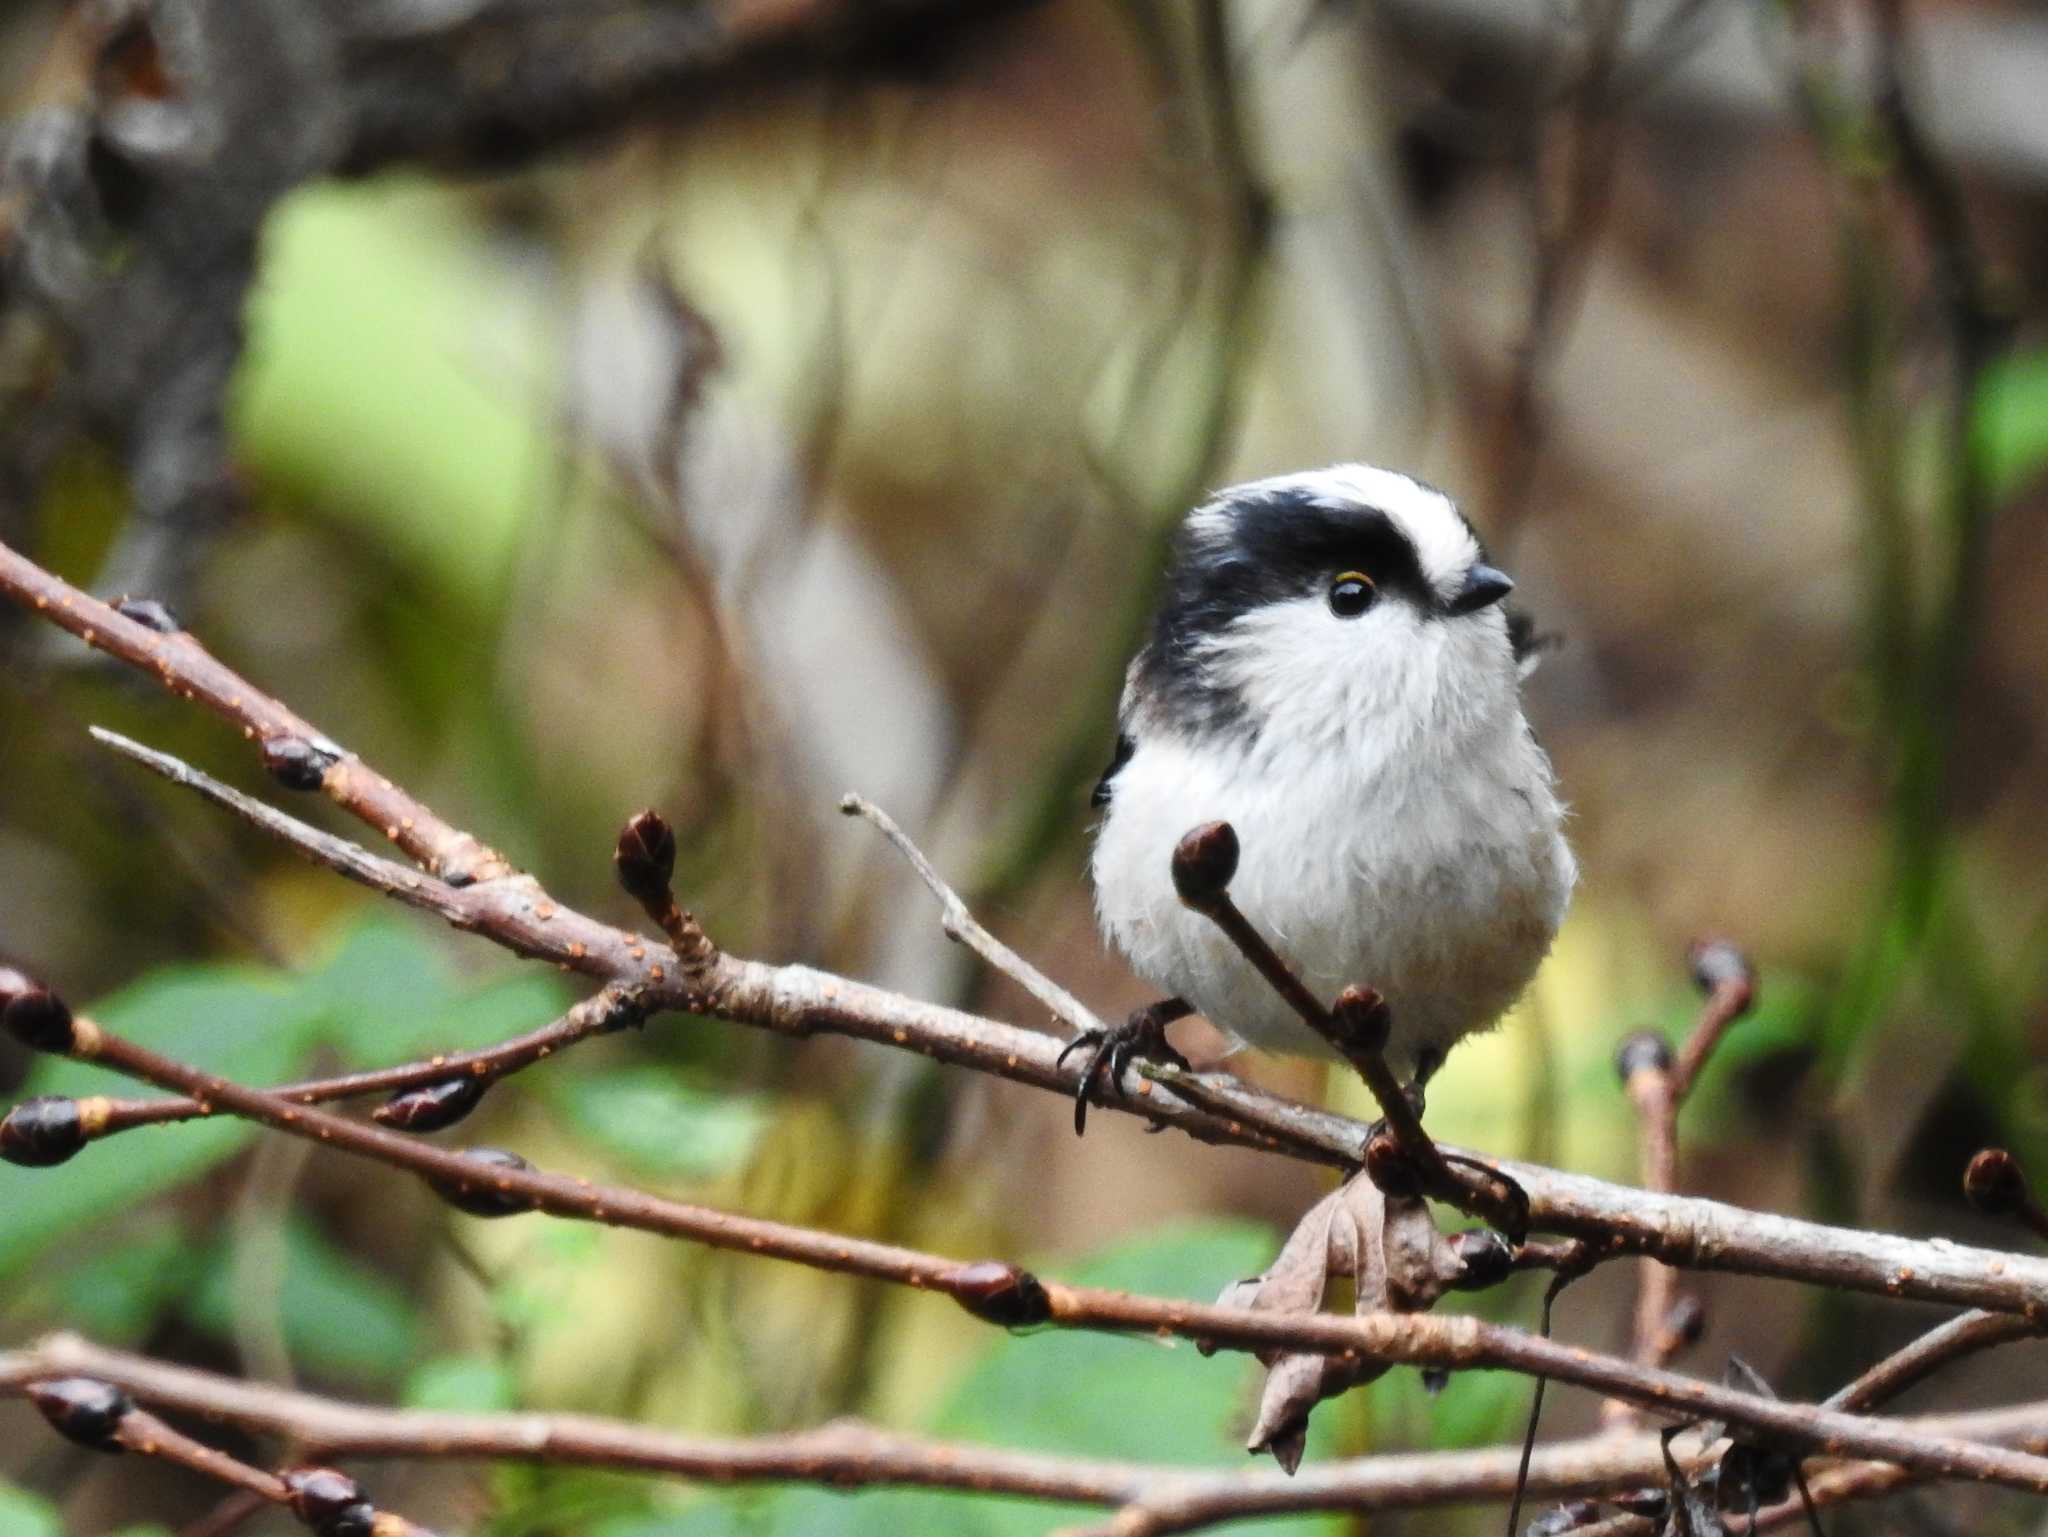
(1488,1258)
(1389,1167)
(1717,965)
(83,1409)
(1362,1019)
(1995,1184)
(330,1502)
(33,1014)
(433,1106)
(1644,1052)
(41,1132)
(296,763)
(483,1197)
(150,614)
(999,1293)
(1204,863)
(646,859)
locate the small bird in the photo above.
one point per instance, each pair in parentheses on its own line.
(1332,672)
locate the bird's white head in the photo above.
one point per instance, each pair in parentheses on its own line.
(1340,605)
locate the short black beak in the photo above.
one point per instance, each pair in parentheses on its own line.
(1482,587)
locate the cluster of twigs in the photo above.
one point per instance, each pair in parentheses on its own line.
(456,876)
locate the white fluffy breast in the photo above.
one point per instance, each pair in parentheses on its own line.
(1397,831)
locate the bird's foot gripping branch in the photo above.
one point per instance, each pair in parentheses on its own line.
(1375,1230)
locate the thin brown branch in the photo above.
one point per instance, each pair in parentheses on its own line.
(143,1433)
(314,1495)
(512,910)
(1204,863)
(298,753)
(645,859)
(99,1414)
(1152,1498)
(612,1009)
(1658,1084)
(1915,1362)
(962,926)
(1725,975)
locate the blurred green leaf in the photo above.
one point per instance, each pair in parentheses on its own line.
(531,1297)
(461,1384)
(248,1024)
(387,993)
(118,1293)
(1783,1021)
(519,1001)
(383,988)
(537,1501)
(390,993)
(1087,1394)
(1474,1409)
(379,344)
(650,1118)
(26,1515)
(1108,1396)
(2011,430)
(821,1513)
(339,1315)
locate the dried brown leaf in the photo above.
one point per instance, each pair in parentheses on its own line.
(1398,1261)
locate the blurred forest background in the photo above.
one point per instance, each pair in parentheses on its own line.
(818,429)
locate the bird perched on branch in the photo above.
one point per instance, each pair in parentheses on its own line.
(1332,672)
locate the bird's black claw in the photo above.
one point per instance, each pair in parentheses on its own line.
(1143,1034)
(1417,1102)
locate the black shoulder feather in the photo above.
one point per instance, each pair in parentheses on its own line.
(1124,748)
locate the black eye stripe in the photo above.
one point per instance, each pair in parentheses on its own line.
(1301,545)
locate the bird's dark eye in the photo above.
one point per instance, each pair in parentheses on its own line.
(1351,594)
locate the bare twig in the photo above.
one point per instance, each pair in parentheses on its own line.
(1658,1085)
(614,1008)
(1724,974)
(645,859)
(1204,863)
(512,910)
(961,925)
(297,753)
(1916,1362)
(96,1412)
(143,1432)
(1152,1499)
